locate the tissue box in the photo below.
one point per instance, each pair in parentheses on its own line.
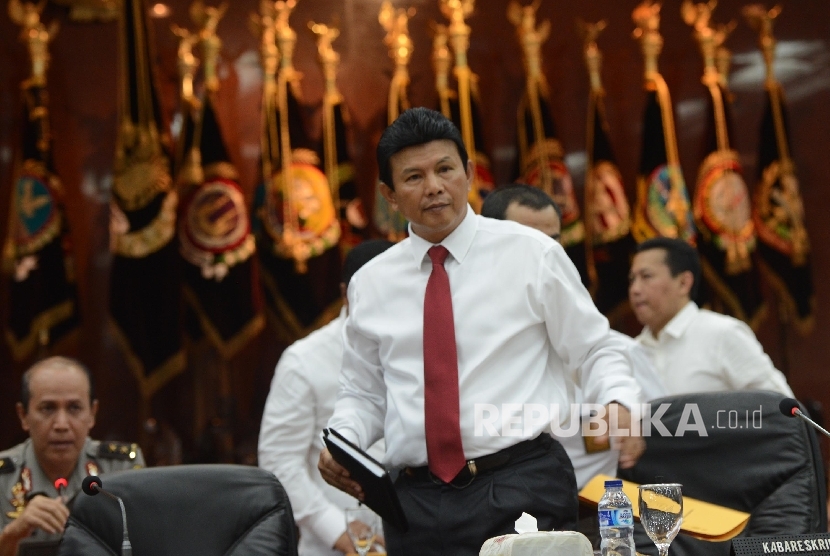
(542,543)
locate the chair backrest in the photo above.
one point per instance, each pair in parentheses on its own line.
(753,459)
(186,510)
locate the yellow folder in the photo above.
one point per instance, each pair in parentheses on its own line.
(701,520)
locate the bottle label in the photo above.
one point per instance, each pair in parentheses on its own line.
(621,517)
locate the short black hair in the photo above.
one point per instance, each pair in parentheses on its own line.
(416,126)
(361,254)
(680,257)
(56,361)
(496,202)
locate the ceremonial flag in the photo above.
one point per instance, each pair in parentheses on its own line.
(778,209)
(298,227)
(145,296)
(541,156)
(608,241)
(214,231)
(662,207)
(43,304)
(726,238)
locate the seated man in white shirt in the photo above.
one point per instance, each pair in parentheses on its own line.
(693,349)
(467,321)
(299,405)
(590,455)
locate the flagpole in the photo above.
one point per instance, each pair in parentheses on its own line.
(593,61)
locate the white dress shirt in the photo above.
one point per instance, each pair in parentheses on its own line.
(299,405)
(702,351)
(525,329)
(587,466)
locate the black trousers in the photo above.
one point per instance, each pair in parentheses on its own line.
(445,520)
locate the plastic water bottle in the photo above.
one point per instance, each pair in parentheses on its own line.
(616,521)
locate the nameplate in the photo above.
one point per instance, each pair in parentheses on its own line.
(817,544)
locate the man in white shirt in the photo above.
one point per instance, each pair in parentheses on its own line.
(590,455)
(521,326)
(299,405)
(693,350)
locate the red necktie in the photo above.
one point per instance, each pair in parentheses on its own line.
(445,453)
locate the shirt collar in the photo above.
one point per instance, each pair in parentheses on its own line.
(457,243)
(677,325)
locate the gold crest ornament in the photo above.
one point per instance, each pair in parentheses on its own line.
(723,206)
(215,229)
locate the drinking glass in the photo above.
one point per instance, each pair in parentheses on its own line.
(661,513)
(362,525)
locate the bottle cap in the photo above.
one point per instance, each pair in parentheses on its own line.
(614,483)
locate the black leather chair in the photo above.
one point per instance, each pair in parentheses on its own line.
(754,459)
(186,510)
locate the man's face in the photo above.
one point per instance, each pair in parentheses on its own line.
(655,295)
(59,416)
(545,220)
(431,186)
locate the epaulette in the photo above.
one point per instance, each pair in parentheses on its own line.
(117,450)
(6,465)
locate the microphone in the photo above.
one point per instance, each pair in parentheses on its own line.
(789,407)
(92,485)
(60,486)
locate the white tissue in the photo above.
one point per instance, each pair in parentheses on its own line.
(526,524)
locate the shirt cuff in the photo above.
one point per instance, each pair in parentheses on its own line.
(328,525)
(623,396)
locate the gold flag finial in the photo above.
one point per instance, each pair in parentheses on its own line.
(593,57)
(723,56)
(762,20)
(530,36)
(400,45)
(699,16)
(187,62)
(35,34)
(207,19)
(646,17)
(442,62)
(329,58)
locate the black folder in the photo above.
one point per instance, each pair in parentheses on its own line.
(378,490)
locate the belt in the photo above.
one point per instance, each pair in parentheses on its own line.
(483,464)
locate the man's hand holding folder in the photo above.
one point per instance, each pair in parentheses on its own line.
(350,469)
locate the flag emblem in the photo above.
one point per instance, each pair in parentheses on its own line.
(38,219)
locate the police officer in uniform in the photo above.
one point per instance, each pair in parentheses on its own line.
(57,408)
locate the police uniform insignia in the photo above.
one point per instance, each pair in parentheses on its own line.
(662,214)
(722,208)
(6,465)
(215,231)
(19,492)
(118,450)
(91,468)
(18,501)
(311,209)
(37,216)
